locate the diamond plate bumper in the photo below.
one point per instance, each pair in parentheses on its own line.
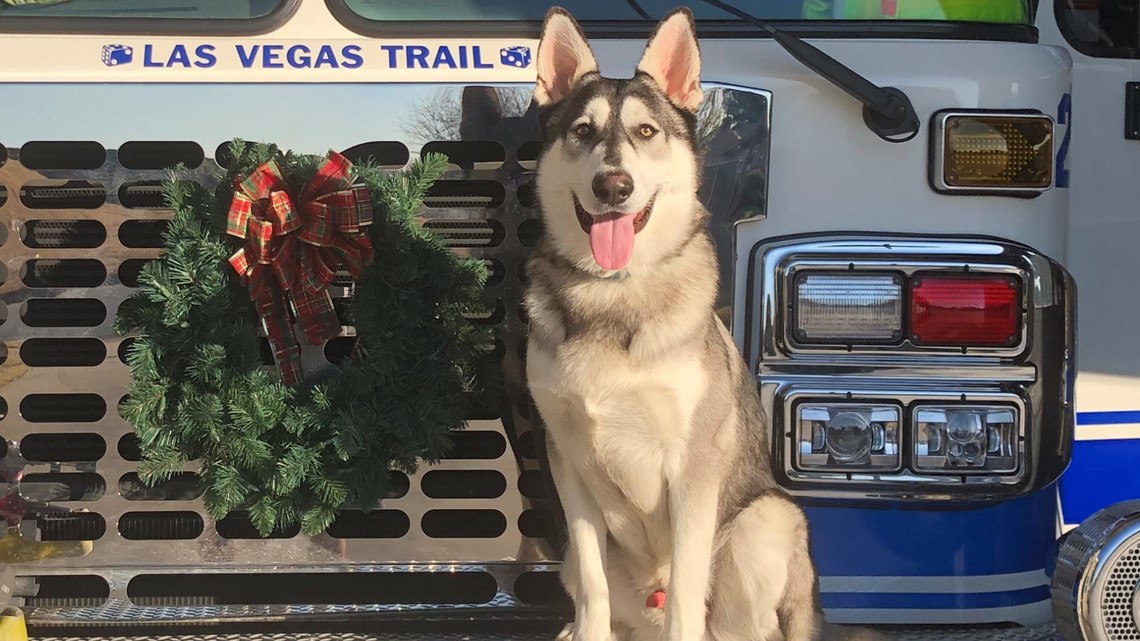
(1048,633)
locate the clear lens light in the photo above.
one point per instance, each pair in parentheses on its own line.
(847,308)
(848,437)
(965,439)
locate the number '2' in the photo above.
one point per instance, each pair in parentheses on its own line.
(1064,117)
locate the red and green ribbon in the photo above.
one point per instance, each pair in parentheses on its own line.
(294,248)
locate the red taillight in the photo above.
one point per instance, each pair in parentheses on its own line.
(965,311)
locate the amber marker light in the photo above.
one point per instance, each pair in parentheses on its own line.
(986,152)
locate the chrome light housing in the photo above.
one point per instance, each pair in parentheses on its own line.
(904,437)
(965,439)
(1096,582)
(981,374)
(848,436)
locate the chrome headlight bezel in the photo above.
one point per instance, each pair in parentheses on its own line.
(1008,443)
(1036,376)
(879,425)
(906,472)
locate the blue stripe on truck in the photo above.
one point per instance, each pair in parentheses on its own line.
(1102,473)
(1108,418)
(1001,538)
(907,601)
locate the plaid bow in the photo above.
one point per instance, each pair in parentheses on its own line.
(294,248)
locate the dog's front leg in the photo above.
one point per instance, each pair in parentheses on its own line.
(693,511)
(587,530)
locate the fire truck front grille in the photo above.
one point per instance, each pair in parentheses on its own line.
(81,222)
(80,217)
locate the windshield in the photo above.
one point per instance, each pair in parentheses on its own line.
(173,9)
(993,11)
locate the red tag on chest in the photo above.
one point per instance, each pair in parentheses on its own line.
(656,600)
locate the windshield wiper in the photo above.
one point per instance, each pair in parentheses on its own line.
(887,111)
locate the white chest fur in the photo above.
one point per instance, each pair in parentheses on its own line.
(610,414)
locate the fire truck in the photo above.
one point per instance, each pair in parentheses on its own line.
(926,217)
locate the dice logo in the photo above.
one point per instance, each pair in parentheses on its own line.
(517,56)
(115,55)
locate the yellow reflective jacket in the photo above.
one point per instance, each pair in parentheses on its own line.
(955,10)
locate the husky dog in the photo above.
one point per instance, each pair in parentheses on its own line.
(655,433)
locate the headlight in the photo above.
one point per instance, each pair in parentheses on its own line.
(992,152)
(848,437)
(965,439)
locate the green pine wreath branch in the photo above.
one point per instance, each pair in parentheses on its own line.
(200,393)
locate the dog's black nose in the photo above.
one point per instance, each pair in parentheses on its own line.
(613,187)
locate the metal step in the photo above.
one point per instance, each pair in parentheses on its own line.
(942,633)
(310,637)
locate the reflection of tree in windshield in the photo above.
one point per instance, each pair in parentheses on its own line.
(711,115)
(732,129)
(731,126)
(448,115)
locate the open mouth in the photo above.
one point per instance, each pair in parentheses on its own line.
(612,233)
(588,220)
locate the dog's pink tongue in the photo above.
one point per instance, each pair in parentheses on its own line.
(611,240)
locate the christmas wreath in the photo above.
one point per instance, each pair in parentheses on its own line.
(256,256)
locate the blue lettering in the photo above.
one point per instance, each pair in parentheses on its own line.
(1064,117)
(352,57)
(476,55)
(270,55)
(247,57)
(148,57)
(206,56)
(417,55)
(179,56)
(443,57)
(326,57)
(462,56)
(298,57)
(392,51)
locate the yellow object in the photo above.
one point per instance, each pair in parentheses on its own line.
(12,627)
(1002,152)
(15,549)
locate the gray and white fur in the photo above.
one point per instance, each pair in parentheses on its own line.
(655,433)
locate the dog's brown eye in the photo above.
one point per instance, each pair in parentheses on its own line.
(646,131)
(583,130)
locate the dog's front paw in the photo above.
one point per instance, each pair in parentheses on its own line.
(567,633)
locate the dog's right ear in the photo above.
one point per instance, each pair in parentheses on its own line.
(563,57)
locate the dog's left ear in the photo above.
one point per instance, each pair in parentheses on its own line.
(673,59)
